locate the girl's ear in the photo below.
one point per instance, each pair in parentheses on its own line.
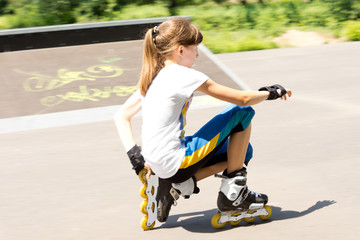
(180,50)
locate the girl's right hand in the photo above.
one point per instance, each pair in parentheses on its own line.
(288,94)
(148,170)
(276,91)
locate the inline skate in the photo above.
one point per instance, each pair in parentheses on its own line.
(158,196)
(236,202)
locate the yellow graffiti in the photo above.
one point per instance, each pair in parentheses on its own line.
(40,83)
(85,94)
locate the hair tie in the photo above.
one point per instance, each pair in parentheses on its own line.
(156,30)
(155,33)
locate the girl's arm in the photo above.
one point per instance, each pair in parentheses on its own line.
(240,98)
(123,123)
(123,120)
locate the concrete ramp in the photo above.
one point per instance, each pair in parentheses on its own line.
(60,79)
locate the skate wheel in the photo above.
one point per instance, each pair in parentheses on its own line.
(235,223)
(144,225)
(215,221)
(143,191)
(143,206)
(251,219)
(142,176)
(266,217)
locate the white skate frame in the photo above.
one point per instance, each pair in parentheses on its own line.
(152,183)
(226,216)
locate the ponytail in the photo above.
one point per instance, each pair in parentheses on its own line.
(152,62)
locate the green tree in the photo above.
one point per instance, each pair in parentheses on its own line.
(341,9)
(3,4)
(56,12)
(93,9)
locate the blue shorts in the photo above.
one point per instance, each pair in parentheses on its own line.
(208,146)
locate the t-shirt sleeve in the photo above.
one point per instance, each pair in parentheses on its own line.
(192,79)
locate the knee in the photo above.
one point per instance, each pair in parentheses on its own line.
(244,116)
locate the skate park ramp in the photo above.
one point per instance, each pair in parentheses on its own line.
(51,80)
(77,77)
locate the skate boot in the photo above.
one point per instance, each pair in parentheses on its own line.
(158,196)
(168,194)
(166,197)
(236,202)
(187,188)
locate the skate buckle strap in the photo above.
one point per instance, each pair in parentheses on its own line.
(242,196)
(175,195)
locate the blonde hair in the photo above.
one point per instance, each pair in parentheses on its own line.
(160,42)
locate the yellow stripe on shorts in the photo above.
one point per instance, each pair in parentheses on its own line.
(199,154)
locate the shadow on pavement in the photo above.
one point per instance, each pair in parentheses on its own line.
(199,222)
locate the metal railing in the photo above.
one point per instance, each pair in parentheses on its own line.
(75,34)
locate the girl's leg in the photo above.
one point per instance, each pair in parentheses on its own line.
(237,148)
(209,171)
(233,122)
(236,152)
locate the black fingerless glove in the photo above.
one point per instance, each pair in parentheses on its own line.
(136,158)
(273,93)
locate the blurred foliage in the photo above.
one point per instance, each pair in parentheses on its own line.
(236,41)
(228,25)
(3,4)
(352,30)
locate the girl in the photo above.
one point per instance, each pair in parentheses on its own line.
(166,86)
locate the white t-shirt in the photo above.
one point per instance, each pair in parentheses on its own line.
(164,117)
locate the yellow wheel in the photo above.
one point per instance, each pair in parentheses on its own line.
(215,221)
(142,176)
(143,191)
(250,220)
(266,217)
(143,206)
(143,224)
(232,223)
